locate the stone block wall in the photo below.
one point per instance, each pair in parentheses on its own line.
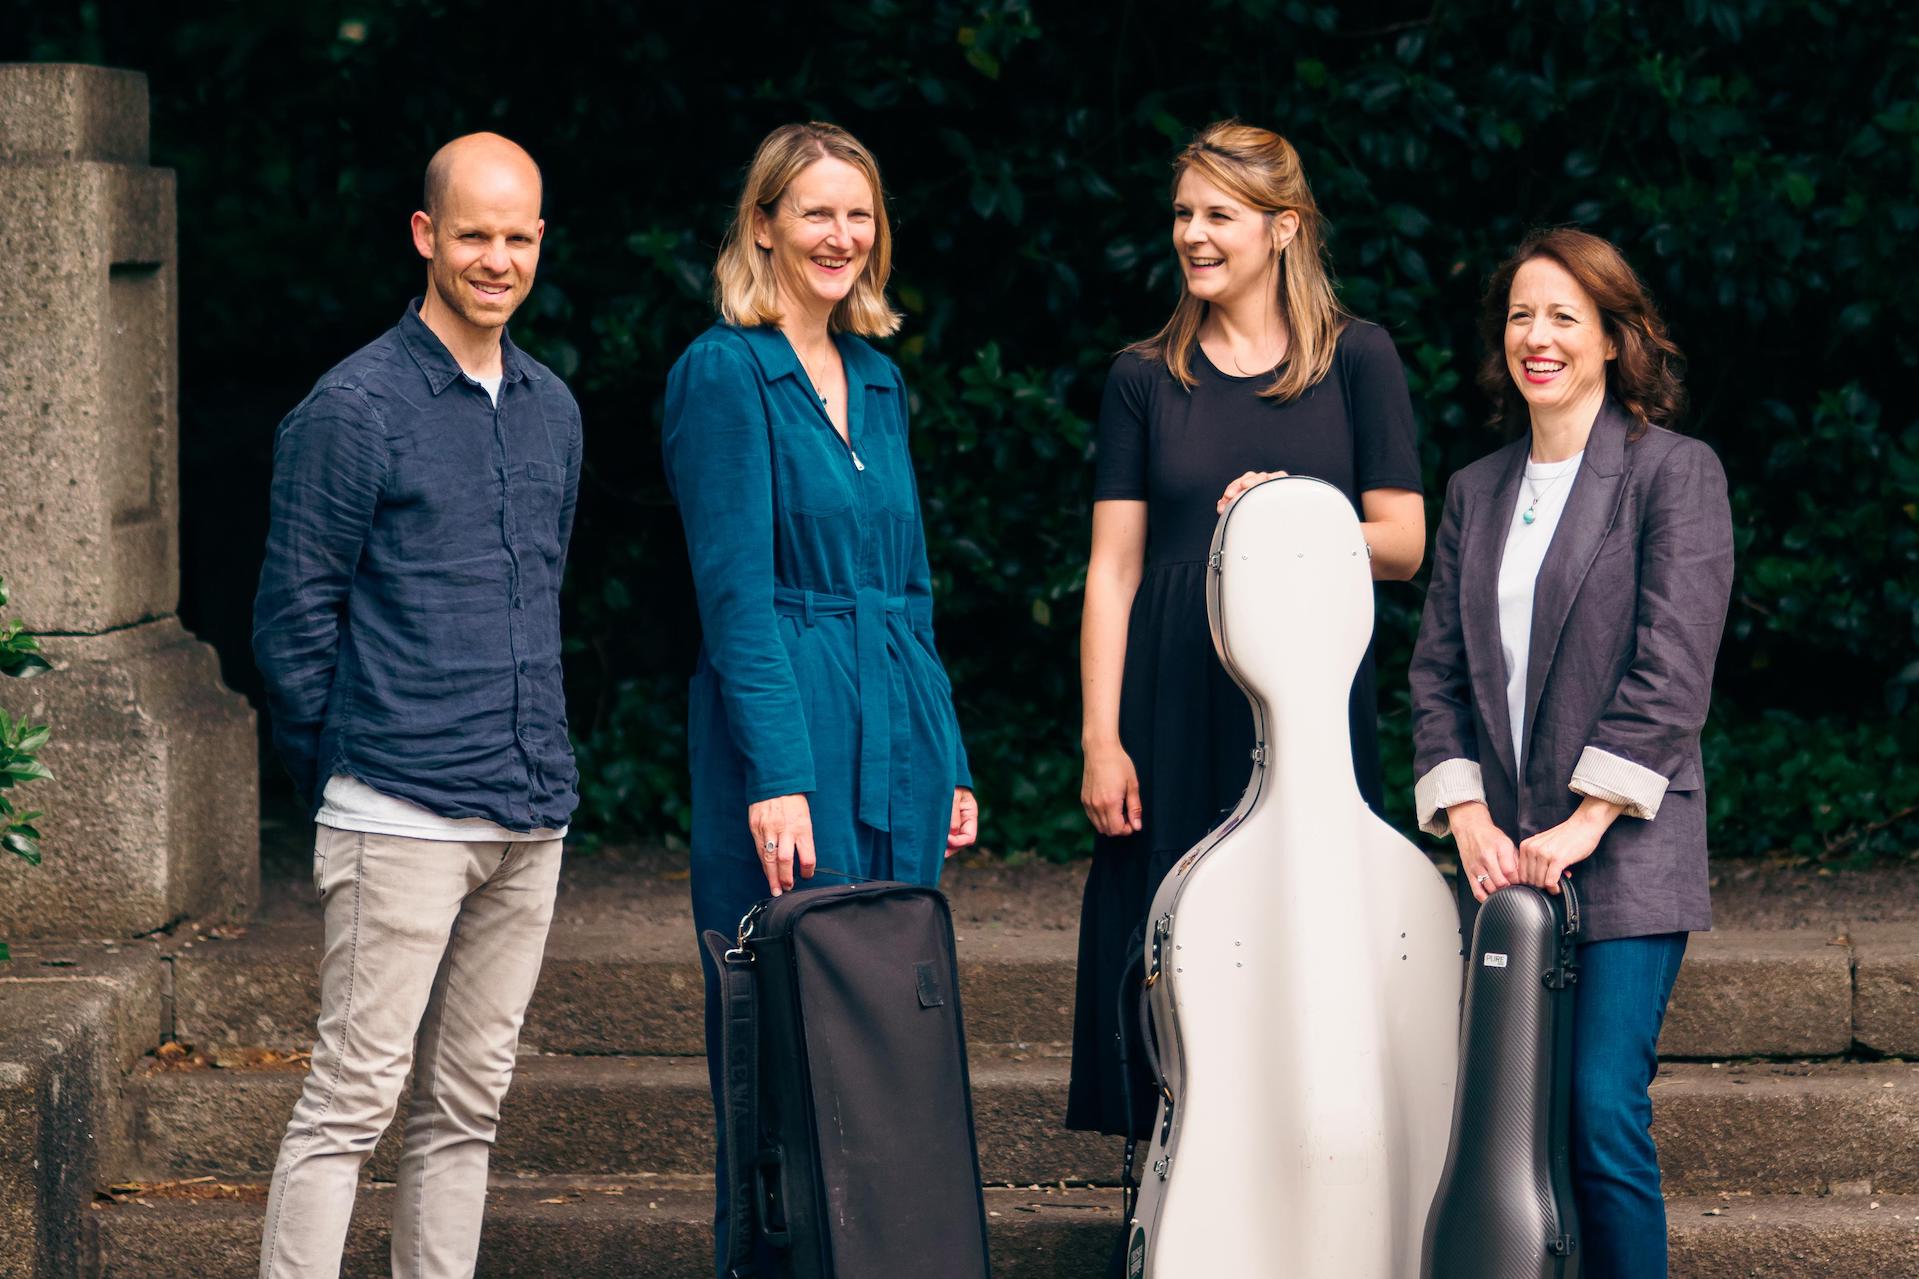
(88,360)
(153,812)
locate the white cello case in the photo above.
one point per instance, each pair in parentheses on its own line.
(1304,960)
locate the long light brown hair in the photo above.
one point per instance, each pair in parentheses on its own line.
(1259,168)
(744,288)
(1645,373)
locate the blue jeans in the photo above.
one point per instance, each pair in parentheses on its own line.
(725,886)
(1619,1004)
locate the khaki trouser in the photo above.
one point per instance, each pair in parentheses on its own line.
(428,942)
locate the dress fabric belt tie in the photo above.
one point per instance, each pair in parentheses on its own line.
(868,607)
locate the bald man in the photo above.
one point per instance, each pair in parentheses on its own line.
(408,626)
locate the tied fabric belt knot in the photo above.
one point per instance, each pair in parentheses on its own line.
(869,608)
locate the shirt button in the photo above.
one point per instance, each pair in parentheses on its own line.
(523,668)
(517,603)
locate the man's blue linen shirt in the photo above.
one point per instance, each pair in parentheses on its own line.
(408,617)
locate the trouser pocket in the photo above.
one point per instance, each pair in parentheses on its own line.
(319,860)
(330,849)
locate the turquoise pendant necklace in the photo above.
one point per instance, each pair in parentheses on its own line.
(1531,513)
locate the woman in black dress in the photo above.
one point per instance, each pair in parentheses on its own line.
(1258,373)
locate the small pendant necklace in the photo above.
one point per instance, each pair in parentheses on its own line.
(1232,357)
(1531,513)
(812,378)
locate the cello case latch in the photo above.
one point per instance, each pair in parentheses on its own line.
(1559,977)
(1162,928)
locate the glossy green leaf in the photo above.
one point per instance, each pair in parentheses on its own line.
(22,845)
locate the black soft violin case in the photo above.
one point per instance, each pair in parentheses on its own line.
(849,1112)
(1505,1204)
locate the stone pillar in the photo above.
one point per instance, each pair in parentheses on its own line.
(153,812)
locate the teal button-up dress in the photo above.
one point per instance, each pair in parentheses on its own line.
(817,671)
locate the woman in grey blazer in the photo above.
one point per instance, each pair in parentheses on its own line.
(1562,675)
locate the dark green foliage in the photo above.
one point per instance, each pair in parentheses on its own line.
(1780,783)
(1755,160)
(19,652)
(1829,545)
(20,743)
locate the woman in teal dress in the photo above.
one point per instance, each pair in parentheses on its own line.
(821,728)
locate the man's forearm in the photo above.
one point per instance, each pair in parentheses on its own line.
(298,688)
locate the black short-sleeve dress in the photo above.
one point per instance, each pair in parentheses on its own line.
(1183,721)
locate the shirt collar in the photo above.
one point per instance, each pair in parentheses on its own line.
(778,359)
(438,364)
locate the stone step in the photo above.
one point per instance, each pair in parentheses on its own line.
(1793,1237)
(626,990)
(1769,1128)
(618,1115)
(583,1228)
(637,990)
(1761,994)
(610,1228)
(1885,994)
(1783,1127)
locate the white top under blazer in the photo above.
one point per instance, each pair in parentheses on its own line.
(1543,493)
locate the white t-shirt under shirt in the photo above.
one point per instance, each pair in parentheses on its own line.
(350,804)
(1543,491)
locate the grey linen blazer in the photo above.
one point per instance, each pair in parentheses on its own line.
(1627,614)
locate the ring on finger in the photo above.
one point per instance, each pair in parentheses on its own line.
(772,845)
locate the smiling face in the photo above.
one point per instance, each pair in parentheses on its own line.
(482,240)
(1556,342)
(820,235)
(1227,248)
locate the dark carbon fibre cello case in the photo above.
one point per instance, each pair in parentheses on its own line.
(1505,1204)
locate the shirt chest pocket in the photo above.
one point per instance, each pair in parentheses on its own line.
(533,492)
(813,469)
(889,467)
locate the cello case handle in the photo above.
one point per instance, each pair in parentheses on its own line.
(1565,969)
(1569,906)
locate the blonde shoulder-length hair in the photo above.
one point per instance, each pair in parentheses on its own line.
(744,288)
(1261,169)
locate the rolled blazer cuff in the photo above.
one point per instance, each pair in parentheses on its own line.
(1449,782)
(1604,775)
